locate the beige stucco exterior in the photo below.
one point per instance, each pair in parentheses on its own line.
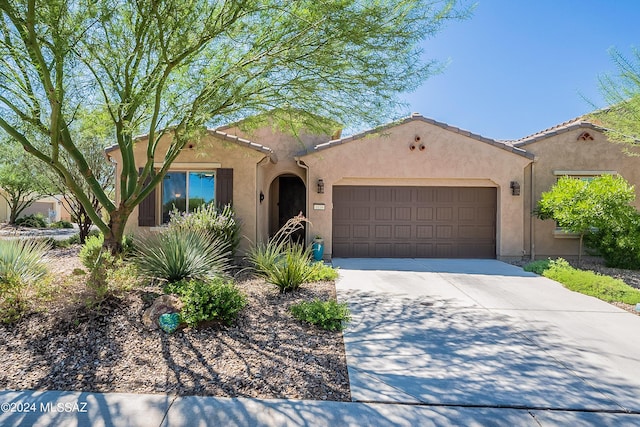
(569,150)
(383,157)
(450,159)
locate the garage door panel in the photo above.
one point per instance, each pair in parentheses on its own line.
(361,232)
(402,214)
(424,214)
(424,231)
(449,222)
(383,213)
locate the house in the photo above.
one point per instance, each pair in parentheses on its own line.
(412,188)
(52,207)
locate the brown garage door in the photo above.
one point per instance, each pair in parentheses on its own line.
(414,222)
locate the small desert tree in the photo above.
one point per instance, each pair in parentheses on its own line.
(165,68)
(21,182)
(580,206)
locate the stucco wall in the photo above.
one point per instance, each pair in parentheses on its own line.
(222,153)
(450,159)
(565,152)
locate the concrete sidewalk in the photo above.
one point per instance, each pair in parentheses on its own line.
(71,409)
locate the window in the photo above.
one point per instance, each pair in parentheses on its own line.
(186,191)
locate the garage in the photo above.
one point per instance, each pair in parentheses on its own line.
(414,222)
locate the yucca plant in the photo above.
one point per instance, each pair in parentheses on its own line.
(22,263)
(177,254)
(22,260)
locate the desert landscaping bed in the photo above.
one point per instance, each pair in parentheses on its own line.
(265,353)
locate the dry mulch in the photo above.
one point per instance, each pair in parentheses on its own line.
(265,353)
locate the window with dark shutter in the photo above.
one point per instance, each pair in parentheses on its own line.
(147,208)
(224,187)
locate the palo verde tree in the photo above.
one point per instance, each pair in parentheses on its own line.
(580,206)
(169,67)
(92,134)
(621,91)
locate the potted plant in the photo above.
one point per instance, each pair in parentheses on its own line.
(318,248)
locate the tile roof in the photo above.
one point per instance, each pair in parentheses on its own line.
(419,117)
(218,134)
(569,125)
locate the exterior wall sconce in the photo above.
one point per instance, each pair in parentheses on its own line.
(261,197)
(515,188)
(320,186)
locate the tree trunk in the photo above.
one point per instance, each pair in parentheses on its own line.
(12,217)
(84,224)
(113,239)
(580,251)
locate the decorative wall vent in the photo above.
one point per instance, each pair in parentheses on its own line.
(585,136)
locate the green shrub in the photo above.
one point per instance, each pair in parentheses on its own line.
(589,283)
(289,270)
(177,254)
(91,251)
(282,263)
(618,242)
(538,266)
(214,300)
(34,221)
(110,277)
(61,224)
(221,224)
(328,315)
(322,272)
(21,265)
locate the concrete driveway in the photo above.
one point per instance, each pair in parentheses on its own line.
(485,333)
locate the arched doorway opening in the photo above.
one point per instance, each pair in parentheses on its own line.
(288,197)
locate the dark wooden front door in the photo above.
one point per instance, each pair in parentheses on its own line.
(293,200)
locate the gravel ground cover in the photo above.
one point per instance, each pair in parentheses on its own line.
(265,353)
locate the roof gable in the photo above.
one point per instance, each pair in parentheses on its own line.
(419,117)
(569,125)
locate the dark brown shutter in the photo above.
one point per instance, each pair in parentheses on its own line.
(147,208)
(224,187)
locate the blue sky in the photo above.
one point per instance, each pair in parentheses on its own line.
(517,67)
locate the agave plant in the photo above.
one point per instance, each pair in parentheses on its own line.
(178,254)
(22,260)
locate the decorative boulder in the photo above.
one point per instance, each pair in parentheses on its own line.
(164,304)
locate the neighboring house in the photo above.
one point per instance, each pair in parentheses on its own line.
(413,188)
(49,205)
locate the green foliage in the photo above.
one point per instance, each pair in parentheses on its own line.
(578,205)
(217,299)
(283,263)
(22,260)
(589,283)
(328,315)
(21,265)
(322,272)
(33,221)
(221,224)
(618,242)
(538,266)
(111,276)
(600,206)
(91,251)
(171,67)
(621,92)
(177,254)
(61,224)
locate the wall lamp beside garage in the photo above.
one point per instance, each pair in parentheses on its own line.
(515,188)
(320,186)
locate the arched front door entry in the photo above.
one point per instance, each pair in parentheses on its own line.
(288,197)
